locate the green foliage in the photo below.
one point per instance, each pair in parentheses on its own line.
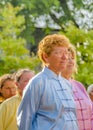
(18,28)
(13,51)
(78,3)
(83,42)
(10,64)
(40,7)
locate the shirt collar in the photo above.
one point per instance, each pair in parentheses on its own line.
(50,73)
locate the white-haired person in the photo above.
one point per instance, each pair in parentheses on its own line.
(9,107)
(90,92)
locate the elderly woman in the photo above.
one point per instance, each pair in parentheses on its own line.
(8,87)
(83,103)
(47,102)
(90,92)
(9,107)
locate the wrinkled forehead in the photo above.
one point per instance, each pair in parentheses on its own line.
(27,75)
(60,48)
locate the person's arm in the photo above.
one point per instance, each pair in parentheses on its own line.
(29,105)
(83,89)
(2,116)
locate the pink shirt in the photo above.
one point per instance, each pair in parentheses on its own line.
(92,116)
(83,105)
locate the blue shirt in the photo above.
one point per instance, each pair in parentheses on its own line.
(47,104)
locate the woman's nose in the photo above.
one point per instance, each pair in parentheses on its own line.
(13,90)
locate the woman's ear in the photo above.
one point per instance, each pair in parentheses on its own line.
(0,90)
(45,57)
(17,84)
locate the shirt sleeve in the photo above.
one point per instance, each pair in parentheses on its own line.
(29,105)
(2,115)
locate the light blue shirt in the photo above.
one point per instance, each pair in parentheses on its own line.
(47,104)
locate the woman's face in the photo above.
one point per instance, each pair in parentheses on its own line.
(8,89)
(57,60)
(24,79)
(70,66)
(91,95)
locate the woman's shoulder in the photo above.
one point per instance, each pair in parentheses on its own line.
(78,85)
(11,101)
(1,99)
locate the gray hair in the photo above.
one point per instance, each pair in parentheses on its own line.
(90,89)
(20,72)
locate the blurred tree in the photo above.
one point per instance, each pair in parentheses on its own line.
(83,42)
(50,15)
(71,17)
(13,51)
